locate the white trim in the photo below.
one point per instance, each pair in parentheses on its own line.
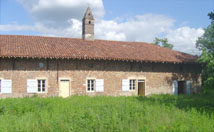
(90,85)
(44,78)
(91,78)
(141,80)
(135,84)
(66,79)
(144,80)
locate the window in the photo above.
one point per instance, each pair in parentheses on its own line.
(90,85)
(41,65)
(132,84)
(36,85)
(93,85)
(89,22)
(41,86)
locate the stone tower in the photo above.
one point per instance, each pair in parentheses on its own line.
(88,25)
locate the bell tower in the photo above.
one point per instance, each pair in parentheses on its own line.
(88,25)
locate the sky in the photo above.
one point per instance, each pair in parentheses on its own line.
(180,21)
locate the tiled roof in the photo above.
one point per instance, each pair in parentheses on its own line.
(70,48)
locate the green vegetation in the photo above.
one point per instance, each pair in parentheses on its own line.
(108,114)
(163,42)
(206,45)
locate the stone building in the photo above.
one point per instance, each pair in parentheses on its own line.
(56,66)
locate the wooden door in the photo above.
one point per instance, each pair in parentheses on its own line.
(64,88)
(141,88)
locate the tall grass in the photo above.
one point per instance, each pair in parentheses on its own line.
(108,114)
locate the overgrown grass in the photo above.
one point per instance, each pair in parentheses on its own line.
(108,114)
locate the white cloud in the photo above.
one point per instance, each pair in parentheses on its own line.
(63,18)
(16,27)
(139,28)
(184,39)
(56,13)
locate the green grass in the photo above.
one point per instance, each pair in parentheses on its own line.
(108,114)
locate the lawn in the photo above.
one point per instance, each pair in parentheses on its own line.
(108,114)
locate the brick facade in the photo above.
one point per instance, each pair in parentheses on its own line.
(158,76)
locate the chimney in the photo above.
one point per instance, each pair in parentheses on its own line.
(88,25)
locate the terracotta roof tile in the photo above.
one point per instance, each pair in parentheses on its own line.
(56,47)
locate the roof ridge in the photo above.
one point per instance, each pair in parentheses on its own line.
(40,36)
(147,43)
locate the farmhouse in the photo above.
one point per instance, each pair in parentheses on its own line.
(56,66)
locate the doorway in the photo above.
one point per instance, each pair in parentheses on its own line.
(141,87)
(64,88)
(181,87)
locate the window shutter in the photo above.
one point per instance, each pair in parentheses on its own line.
(125,85)
(6,86)
(0,86)
(99,85)
(175,87)
(31,86)
(188,86)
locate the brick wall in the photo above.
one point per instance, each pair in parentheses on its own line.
(158,77)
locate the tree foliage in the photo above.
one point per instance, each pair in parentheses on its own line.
(211,15)
(206,45)
(163,42)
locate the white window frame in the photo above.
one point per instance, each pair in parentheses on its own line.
(132,84)
(41,79)
(89,89)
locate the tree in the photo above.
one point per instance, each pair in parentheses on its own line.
(211,15)
(163,42)
(206,45)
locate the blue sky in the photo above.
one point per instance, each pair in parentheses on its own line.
(181,21)
(190,12)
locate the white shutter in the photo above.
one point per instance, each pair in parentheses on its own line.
(99,85)
(125,85)
(32,86)
(175,87)
(6,86)
(188,86)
